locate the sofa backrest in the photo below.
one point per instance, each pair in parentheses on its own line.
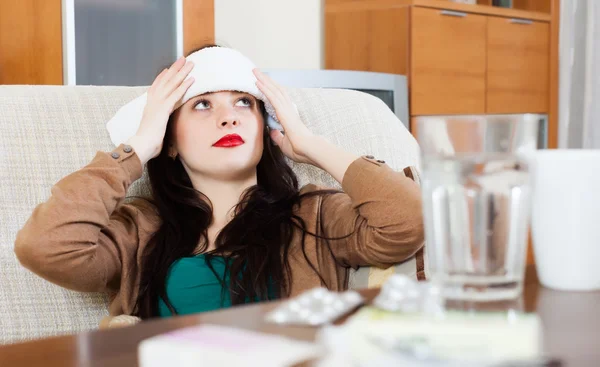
(47,132)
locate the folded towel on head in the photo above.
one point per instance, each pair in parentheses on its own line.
(215,69)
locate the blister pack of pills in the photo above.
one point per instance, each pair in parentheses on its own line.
(402,294)
(315,307)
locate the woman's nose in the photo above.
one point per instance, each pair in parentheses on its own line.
(228,118)
(230,122)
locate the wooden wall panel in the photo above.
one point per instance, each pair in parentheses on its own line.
(376,40)
(390,55)
(346,41)
(31,42)
(198,24)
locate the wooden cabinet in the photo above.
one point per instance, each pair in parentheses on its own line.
(517,65)
(459,58)
(448,61)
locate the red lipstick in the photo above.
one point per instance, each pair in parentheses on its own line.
(229,141)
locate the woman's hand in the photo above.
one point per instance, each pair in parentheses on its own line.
(163,96)
(297,141)
(118,321)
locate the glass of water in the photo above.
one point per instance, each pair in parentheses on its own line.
(476,197)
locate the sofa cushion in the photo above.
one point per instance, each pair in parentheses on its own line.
(46,132)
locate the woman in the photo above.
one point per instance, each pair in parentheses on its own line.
(227,223)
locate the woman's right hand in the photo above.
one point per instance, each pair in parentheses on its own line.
(163,95)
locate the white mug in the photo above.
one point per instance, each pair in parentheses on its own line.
(566,218)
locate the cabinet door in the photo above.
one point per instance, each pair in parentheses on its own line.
(517,66)
(448,61)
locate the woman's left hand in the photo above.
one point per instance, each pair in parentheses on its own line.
(297,140)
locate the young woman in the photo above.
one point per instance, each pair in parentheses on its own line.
(227,223)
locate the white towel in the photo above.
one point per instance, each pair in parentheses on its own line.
(215,69)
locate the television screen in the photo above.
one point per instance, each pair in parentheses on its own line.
(387,96)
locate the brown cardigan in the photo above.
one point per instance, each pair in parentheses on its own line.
(87,239)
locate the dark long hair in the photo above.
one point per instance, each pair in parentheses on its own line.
(255,243)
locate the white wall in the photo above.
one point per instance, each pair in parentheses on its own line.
(283,34)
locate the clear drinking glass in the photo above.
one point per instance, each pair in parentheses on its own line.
(476,197)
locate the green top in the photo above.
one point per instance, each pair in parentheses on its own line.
(192,286)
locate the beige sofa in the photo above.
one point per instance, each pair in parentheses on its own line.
(46,132)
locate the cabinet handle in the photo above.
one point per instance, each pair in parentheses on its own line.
(521,21)
(453,13)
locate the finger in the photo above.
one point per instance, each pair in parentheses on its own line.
(273,85)
(160,76)
(277,137)
(274,100)
(268,84)
(282,109)
(285,102)
(280,88)
(178,78)
(177,65)
(157,79)
(175,97)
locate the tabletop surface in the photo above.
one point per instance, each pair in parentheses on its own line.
(571,328)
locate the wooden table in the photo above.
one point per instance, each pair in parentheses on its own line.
(570,320)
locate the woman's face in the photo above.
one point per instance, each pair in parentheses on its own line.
(219,135)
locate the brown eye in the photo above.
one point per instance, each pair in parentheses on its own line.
(244,102)
(202,105)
